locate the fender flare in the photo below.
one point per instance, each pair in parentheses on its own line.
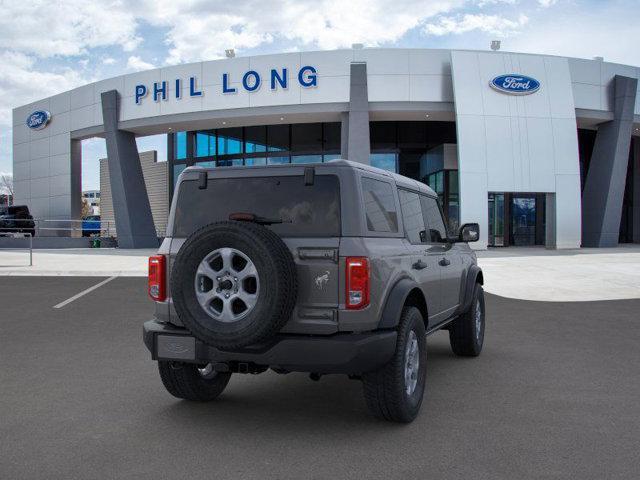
(474,275)
(395,302)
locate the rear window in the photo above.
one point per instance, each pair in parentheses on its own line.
(307,210)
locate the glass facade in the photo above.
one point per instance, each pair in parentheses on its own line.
(256,145)
(396,146)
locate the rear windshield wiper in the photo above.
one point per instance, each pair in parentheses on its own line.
(252,217)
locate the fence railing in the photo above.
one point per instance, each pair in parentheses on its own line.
(47,227)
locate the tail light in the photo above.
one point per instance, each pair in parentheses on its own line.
(157,284)
(357,282)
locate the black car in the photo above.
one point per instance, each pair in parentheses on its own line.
(17,219)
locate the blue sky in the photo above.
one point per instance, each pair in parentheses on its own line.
(49,48)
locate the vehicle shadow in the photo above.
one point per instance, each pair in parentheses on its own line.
(293,403)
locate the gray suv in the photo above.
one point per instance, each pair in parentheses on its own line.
(324,268)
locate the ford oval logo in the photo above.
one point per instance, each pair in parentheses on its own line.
(38,119)
(515,84)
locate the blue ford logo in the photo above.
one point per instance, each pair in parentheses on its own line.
(515,84)
(38,119)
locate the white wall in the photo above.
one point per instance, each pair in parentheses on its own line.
(510,143)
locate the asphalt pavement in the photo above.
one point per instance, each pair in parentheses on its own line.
(555,394)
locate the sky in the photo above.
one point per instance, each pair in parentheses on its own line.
(48,47)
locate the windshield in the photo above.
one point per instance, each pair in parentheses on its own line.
(305,210)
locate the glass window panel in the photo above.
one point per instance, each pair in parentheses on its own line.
(412,134)
(433,219)
(412,216)
(229,141)
(177,170)
(255,161)
(180,145)
(205,144)
(383,135)
(306,137)
(385,161)
(277,160)
(306,158)
(278,138)
(332,156)
(380,207)
(235,162)
(331,141)
(255,139)
(209,164)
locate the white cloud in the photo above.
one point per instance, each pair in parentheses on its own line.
(323,24)
(108,61)
(136,63)
(21,83)
(71,27)
(547,3)
(491,24)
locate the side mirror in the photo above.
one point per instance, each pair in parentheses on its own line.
(469,232)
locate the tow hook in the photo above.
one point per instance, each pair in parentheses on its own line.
(315,376)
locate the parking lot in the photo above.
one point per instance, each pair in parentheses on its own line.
(554,395)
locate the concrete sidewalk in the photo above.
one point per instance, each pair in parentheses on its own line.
(522,273)
(86,262)
(584,274)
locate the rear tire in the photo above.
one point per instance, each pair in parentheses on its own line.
(188,381)
(466,333)
(390,392)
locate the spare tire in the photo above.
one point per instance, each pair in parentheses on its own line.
(234,284)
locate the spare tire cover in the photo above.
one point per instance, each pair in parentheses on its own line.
(234,284)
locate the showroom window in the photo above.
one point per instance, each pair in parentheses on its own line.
(255,145)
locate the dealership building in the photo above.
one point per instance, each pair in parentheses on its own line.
(538,149)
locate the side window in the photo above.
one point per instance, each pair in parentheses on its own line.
(412,216)
(379,205)
(433,219)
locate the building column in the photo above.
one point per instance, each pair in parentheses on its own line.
(131,208)
(358,147)
(604,187)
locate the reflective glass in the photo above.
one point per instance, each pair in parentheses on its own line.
(229,141)
(332,136)
(205,144)
(306,137)
(180,145)
(333,156)
(277,160)
(380,206)
(385,161)
(278,138)
(208,164)
(255,161)
(306,158)
(236,162)
(255,139)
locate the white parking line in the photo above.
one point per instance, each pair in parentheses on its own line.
(83,293)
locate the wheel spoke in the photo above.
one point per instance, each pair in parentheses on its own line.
(227,258)
(248,271)
(204,269)
(247,298)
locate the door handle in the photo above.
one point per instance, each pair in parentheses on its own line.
(444,262)
(419,265)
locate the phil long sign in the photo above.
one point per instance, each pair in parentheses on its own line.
(515,84)
(250,81)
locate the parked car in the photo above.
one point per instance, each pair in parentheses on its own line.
(329,268)
(17,219)
(91,225)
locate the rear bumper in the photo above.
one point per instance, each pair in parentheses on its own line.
(340,353)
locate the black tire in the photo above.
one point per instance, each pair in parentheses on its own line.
(184,380)
(276,293)
(465,335)
(385,390)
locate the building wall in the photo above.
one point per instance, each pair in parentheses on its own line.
(525,143)
(402,84)
(157,183)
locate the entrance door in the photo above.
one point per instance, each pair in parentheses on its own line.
(523,220)
(496,220)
